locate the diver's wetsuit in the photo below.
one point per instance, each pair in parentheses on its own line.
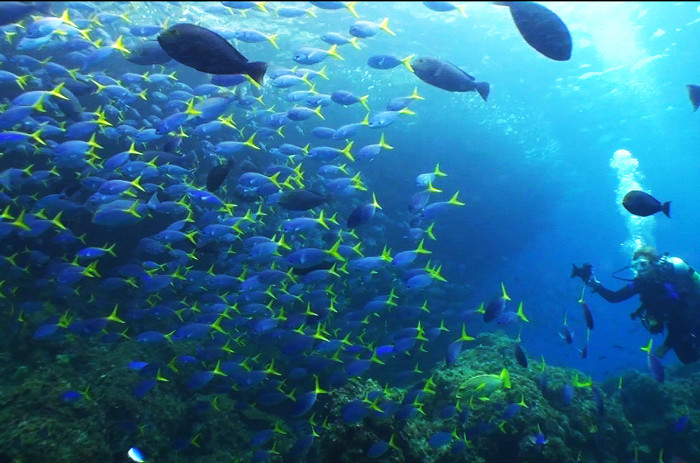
(664,303)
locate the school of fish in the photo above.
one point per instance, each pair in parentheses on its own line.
(164,187)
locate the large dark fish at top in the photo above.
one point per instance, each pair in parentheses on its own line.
(541,28)
(447,76)
(643,204)
(12,12)
(694,94)
(206,51)
(148,53)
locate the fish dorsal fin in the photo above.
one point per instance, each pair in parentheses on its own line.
(461,70)
(465,73)
(468,75)
(235,51)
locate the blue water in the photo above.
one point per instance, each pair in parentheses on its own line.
(532,165)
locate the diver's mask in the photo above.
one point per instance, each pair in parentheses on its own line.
(640,266)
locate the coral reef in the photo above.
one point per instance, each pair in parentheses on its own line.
(548,414)
(486,408)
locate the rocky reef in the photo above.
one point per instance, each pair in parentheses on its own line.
(485,408)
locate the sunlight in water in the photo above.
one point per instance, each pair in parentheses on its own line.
(613,32)
(612,29)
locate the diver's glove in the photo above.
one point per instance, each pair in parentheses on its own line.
(593,283)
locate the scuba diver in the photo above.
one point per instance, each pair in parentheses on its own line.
(669,292)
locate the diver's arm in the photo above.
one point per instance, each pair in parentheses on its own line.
(609,295)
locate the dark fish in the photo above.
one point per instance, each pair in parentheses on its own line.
(355,411)
(362,214)
(304,403)
(70,107)
(418,201)
(172,144)
(160,158)
(301,200)
(148,53)
(143,387)
(217,175)
(694,94)
(540,440)
(496,306)
(447,76)
(541,28)
(388,62)
(206,51)
(598,399)
(681,423)
(439,439)
(304,271)
(249,166)
(377,449)
(566,333)
(511,410)
(330,5)
(453,351)
(643,204)
(542,382)
(12,12)
(568,393)
(655,368)
(79,87)
(588,315)
(71,396)
(520,356)
(494,309)
(199,379)
(443,7)
(584,351)
(654,364)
